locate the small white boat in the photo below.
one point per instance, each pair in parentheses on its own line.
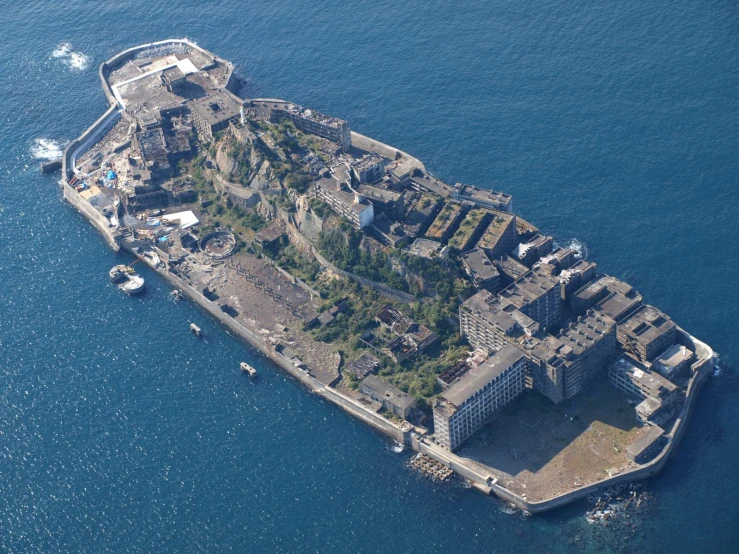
(134,284)
(246,368)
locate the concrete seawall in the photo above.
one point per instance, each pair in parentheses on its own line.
(483,480)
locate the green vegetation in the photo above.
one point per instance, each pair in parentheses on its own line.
(343,249)
(319,208)
(468,226)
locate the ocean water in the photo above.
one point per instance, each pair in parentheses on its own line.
(615,124)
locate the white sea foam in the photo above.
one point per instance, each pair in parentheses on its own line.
(579,248)
(62,51)
(47,149)
(76,61)
(717,367)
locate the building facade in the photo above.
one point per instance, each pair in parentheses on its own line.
(478,396)
(314,123)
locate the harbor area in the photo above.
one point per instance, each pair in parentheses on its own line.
(539,450)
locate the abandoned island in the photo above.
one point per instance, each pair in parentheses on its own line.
(430,311)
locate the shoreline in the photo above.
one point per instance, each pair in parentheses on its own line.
(404,434)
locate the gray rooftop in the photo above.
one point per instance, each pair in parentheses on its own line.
(530,287)
(587,330)
(216,108)
(480,376)
(479,265)
(647,323)
(389,392)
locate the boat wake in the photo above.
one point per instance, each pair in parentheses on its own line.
(76,61)
(47,149)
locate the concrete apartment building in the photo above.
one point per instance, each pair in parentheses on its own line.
(333,187)
(369,168)
(478,396)
(481,270)
(528,253)
(490,324)
(538,294)
(213,113)
(500,237)
(609,295)
(575,277)
(659,395)
(592,339)
(647,333)
(314,123)
(561,366)
(483,198)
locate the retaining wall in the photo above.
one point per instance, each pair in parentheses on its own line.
(94,216)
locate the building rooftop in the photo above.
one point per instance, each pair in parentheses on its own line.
(389,392)
(510,267)
(529,287)
(653,382)
(444,220)
(646,324)
(586,331)
(424,248)
(480,376)
(478,265)
(216,108)
(313,115)
(367,161)
(377,194)
(470,225)
(675,356)
(473,194)
(505,317)
(363,366)
(495,229)
(561,258)
(651,434)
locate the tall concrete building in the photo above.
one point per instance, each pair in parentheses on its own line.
(659,395)
(488,323)
(480,270)
(592,339)
(500,237)
(538,294)
(646,333)
(334,188)
(478,396)
(213,113)
(609,295)
(560,367)
(483,197)
(315,123)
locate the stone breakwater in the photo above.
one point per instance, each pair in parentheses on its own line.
(405,433)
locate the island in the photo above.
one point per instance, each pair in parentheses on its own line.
(433,312)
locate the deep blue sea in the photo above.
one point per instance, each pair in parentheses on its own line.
(613,123)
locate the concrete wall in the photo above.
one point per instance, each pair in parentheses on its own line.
(371,145)
(94,216)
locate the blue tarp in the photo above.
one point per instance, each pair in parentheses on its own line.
(111,175)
